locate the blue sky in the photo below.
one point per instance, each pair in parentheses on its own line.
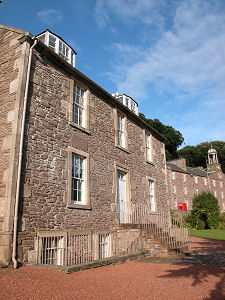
(167,55)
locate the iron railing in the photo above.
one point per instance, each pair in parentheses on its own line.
(70,248)
(158,223)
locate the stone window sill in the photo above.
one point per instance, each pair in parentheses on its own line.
(79,206)
(79,127)
(123,149)
(150,162)
(153,213)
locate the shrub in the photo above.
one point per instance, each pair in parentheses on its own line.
(205,213)
(222,221)
(200,225)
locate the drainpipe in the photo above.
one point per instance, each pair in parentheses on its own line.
(20,159)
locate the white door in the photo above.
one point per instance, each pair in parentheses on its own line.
(122,196)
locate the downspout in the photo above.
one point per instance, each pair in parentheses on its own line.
(20,158)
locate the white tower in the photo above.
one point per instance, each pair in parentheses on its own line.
(213,164)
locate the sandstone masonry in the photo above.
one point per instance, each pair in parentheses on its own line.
(51,137)
(185,182)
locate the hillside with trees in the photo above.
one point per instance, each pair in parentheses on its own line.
(174,138)
(197,155)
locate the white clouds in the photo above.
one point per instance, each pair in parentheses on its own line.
(187,58)
(129,11)
(50,16)
(187,63)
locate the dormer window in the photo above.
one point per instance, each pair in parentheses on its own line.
(128,102)
(56,44)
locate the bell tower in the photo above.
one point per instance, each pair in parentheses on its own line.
(213,164)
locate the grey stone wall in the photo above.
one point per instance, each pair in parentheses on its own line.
(43,203)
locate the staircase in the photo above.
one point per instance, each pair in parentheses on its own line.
(162,234)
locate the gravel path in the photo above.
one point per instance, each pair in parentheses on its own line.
(132,280)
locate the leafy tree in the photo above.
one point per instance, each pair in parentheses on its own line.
(197,155)
(173,137)
(205,213)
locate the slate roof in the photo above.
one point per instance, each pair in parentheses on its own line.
(196,171)
(175,168)
(193,171)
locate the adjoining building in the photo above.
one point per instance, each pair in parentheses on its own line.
(76,162)
(185,182)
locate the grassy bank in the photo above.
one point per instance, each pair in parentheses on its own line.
(209,234)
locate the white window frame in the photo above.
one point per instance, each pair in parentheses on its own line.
(148,146)
(79,104)
(196,179)
(196,191)
(82,107)
(78,180)
(214,182)
(175,203)
(185,190)
(151,195)
(221,184)
(222,195)
(215,194)
(82,181)
(174,189)
(173,175)
(186,201)
(120,130)
(184,177)
(205,181)
(120,125)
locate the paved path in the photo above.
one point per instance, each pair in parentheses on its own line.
(204,252)
(207,245)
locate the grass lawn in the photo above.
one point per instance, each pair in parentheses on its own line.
(209,234)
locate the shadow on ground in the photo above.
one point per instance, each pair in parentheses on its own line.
(207,245)
(200,274)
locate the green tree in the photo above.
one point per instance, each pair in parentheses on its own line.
(197,155)
(173,137)
(205,213)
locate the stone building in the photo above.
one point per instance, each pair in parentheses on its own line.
(185,182)
(72,156)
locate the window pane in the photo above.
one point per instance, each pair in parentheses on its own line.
(78,183)
(78,106)
(79,196)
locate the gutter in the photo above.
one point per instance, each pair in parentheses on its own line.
(20,158)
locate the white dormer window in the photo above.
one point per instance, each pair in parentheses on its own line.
(57,45)
(128,102)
